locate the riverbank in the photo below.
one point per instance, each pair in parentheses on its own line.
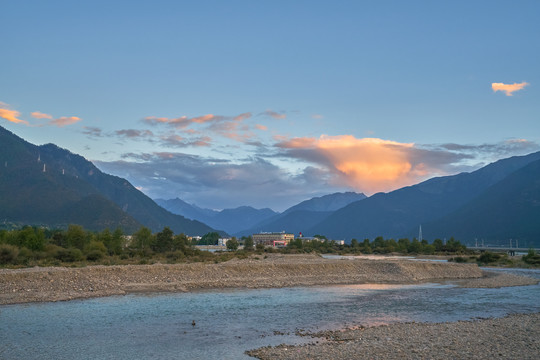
(272,271)
(511,337)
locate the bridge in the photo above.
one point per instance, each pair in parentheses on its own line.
(510,250)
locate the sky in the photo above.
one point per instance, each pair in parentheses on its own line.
(269,103)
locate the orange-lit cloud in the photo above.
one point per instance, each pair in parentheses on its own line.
(40,115)
(64,121)
(242,117)
(10,115)
(509,89)
(261,127)
(183,122)
(370,165)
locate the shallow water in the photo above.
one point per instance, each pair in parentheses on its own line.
(229,322)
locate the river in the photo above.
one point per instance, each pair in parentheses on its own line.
(159,326)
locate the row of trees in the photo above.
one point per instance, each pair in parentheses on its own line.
(404,246)
(378,246)
(75,244)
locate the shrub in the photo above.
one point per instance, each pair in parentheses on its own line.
(94,255)
(8,253)
(175,255)
(25,255)
(488,257)
(69,255)
(531,258)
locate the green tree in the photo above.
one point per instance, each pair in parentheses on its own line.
(181,242)
(31,238)
(210,238)
(232,244)
(116,246)
(415,247)
(248,243)
(142,240)
(354,243)
(95,250)
(438,244)
(76,237)
(164,240)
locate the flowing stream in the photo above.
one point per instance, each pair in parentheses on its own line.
(227,323)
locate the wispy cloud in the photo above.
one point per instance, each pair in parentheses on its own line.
(92,131)
(273,114)
(226,126)
(134,134)
(177,141)
(214,182)
(183,121)
(261,127)
(40,115)
(10,115)
(64,121)
(508,89)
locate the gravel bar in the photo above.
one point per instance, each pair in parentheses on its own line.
(275,271)
(511,337)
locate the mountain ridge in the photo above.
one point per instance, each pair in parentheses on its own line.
(45,182)
(394,214)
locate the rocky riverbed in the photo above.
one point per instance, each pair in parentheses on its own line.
(276,270)
(511,337)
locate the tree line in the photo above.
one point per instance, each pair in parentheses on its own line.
(33,245)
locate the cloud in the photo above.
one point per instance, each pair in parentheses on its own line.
(92,131)
(317,116)
(274,114)
(40,115)
(509,89)
(218,183)
(242,117)
(183,121)
(180,142)
(227,126)
(261,127)
(10,115)
(134,134)
(64,121)
(369,165)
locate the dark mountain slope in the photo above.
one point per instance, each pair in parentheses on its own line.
(73,190)
(190,211)
(394,214)
(229,220)
(331,202)
(304,215)
(293,222)
(507,210)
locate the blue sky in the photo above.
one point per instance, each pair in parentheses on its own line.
(270,103)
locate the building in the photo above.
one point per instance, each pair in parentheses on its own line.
(223,241)
(273,238)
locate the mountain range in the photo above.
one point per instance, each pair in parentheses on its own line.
(499,203)
(229,220)
(47,185)
(246,220)
(495,203)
